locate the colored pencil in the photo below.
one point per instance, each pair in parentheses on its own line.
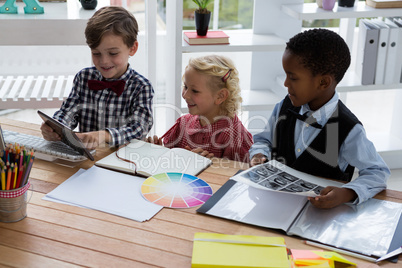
(9,171)
(15,176)
(28,171)
(3,179)
(20,172)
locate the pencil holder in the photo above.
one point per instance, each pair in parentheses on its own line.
(13,204)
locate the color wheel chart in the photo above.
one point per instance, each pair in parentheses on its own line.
(176,190)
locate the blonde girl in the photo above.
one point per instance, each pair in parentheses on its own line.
(212,92)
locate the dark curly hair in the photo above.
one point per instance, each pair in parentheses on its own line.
(321,51)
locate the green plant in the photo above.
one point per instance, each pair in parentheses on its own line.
(202,6)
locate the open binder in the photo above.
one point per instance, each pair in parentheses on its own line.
(372,228)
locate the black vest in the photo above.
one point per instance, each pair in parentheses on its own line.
(321,156)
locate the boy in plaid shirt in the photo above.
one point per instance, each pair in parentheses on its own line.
(110,102)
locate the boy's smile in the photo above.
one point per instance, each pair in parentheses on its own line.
(111,56)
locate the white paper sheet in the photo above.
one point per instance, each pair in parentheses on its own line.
(274,176)
(105,190)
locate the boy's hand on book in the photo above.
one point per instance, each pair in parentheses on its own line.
(154,140)
(200,151)
(258,159)
(332,196)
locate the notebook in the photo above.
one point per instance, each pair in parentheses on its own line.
(146,159)
(212,38)
(384,3)
(222,250)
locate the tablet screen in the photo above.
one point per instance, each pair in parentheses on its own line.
(67,135)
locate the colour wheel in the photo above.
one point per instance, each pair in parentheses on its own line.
(176,190)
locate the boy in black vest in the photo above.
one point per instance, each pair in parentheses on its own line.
(312,131)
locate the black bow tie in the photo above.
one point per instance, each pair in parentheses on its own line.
(305,118)
(116,86)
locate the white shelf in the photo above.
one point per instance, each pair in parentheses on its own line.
(312,11)
(386,142)
(351,83)
(240,41)
(48,28)
(253,100)
(259,100)
(29,92)
(389,147)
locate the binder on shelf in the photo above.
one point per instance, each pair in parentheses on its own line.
(367,51)
(382,50)
(398,21)
(394,45)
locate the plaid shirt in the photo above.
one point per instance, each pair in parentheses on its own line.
(126,117)
(225,138)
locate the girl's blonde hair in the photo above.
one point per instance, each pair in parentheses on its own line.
(223,74)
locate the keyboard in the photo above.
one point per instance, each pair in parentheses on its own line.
(45,150)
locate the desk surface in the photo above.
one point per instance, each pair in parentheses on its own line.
(57,235)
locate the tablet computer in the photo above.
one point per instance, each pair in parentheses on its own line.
(67,135)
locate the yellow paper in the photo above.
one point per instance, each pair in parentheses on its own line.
(209,251)
(324,264)
(330,255)
(312,262)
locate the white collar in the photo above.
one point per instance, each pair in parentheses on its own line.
(324,113)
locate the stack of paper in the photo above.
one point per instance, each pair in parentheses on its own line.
(220,250)
(105,190)
(319,259)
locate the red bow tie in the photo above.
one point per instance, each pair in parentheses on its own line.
(116,86)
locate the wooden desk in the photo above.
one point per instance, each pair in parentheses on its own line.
(57,235)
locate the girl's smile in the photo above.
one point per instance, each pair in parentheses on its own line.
(200,99)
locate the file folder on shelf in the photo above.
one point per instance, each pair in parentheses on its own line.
(382,50)
(398,21)
(394,45)
(367,51)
